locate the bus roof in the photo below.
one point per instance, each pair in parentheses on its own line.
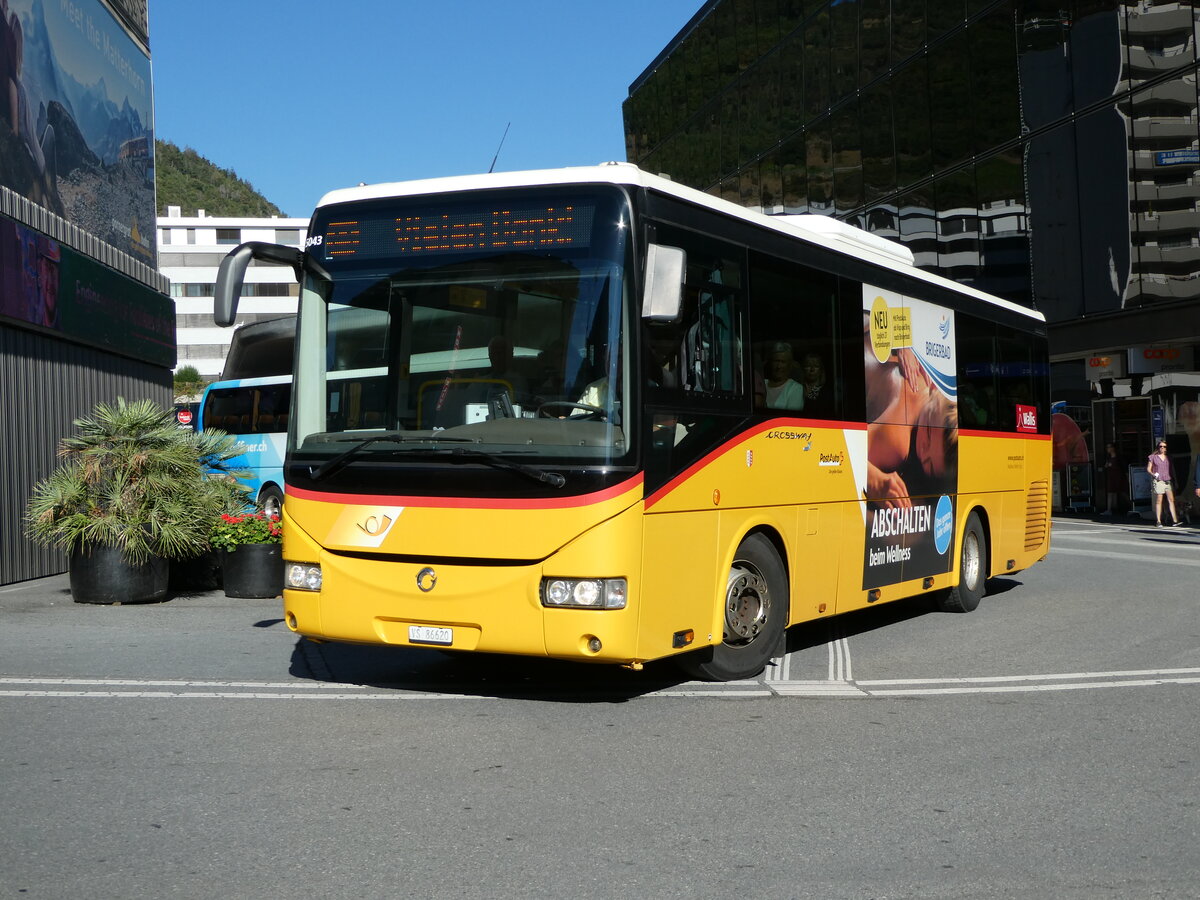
(824,231)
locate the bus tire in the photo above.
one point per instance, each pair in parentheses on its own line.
(270,501)
(972,570)
(755,614)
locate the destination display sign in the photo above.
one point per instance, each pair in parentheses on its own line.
(491,228)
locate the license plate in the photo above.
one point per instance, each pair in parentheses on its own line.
(428,634)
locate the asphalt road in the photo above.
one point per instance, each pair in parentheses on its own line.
(1042,746)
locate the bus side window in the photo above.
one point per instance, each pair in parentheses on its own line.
(977,402)
(793,312)
(704,351)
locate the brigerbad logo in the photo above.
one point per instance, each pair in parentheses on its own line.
(944,328)
(943,524)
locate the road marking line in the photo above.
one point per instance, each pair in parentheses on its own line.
(838,650)
(142,682)
(243,695)
(1140,557)
(1089,538)
(1063,676)
(745,689)
(820,689)
(1030,688)
(763,693)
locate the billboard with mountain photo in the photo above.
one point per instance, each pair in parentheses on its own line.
(77,119)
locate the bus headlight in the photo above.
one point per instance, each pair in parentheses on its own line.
(584,593)
(302,576)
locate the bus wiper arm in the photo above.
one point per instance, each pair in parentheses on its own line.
(334,463)
(554,479)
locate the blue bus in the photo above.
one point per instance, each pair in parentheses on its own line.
(253,398)
(255,411)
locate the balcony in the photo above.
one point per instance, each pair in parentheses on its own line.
(1160,20)
(1184,221)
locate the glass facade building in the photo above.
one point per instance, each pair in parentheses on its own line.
(1045,152)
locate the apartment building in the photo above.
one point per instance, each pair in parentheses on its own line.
(190,250)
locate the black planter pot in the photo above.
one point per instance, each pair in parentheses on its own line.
(253,571)
(200,573)
(104,575)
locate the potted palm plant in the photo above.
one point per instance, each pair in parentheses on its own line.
(249,546)
(133,492)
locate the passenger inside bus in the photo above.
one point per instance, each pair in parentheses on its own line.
(818,395)
(783,391)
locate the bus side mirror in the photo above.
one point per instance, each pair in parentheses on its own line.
(232,272)
(664,283)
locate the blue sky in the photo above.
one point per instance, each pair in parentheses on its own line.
(303,97)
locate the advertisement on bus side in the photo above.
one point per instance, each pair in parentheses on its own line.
(912,437)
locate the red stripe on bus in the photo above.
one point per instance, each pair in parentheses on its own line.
(963,432)
(744,436)
(470,502)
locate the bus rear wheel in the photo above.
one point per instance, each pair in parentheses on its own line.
(972,571)
(755,616)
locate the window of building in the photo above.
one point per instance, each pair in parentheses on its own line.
(229,236)
(878,143)
(183,289)
(820,169)
(950,101)
(910,101)
(847,158)
(290,236)
(875,33)
(844,41)
(908,28)
(816,65)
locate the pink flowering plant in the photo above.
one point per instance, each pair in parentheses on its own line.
(232,532)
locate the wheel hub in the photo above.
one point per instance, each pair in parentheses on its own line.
(747,604)
(970,561)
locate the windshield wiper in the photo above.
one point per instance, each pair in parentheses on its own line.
(327,468)
(554,479)
(334,463)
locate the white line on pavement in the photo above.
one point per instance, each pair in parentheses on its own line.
(986,679)
(746,689)
(1140,557)
(142,682)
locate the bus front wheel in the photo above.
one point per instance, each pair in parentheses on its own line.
(972,570)
(270,499)
(755,612)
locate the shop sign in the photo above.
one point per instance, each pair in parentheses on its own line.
(1151,360)
(1111,366)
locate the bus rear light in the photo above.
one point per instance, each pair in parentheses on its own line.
(584,593)
(302,576)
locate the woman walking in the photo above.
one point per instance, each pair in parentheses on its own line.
(1159,467)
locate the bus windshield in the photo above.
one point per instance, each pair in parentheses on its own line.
(477,327)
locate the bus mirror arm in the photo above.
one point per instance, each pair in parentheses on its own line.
(232,272)
(663,297)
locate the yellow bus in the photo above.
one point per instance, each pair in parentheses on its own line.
(616,419)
